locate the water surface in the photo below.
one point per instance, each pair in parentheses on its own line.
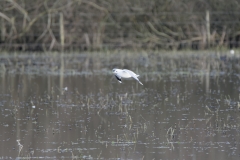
(72,107)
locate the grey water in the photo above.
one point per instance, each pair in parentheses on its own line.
(72,107)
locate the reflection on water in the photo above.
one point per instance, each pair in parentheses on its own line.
(185,110)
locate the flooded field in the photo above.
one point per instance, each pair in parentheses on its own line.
(72,107)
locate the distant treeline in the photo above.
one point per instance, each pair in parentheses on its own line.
(45,25)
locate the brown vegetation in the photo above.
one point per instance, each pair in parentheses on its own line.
(106,24)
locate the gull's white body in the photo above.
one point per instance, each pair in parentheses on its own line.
(125,73)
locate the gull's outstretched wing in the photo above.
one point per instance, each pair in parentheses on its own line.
(119,79)
(132,75)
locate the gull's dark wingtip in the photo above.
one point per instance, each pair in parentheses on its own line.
(119,79)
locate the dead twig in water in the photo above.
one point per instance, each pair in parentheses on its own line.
(20,147)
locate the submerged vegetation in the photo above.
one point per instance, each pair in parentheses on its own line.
(46,25)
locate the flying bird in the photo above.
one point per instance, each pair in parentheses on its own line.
(125,73)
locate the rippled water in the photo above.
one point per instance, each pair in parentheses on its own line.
(72,107)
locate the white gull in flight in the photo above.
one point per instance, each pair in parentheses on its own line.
(125,73)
